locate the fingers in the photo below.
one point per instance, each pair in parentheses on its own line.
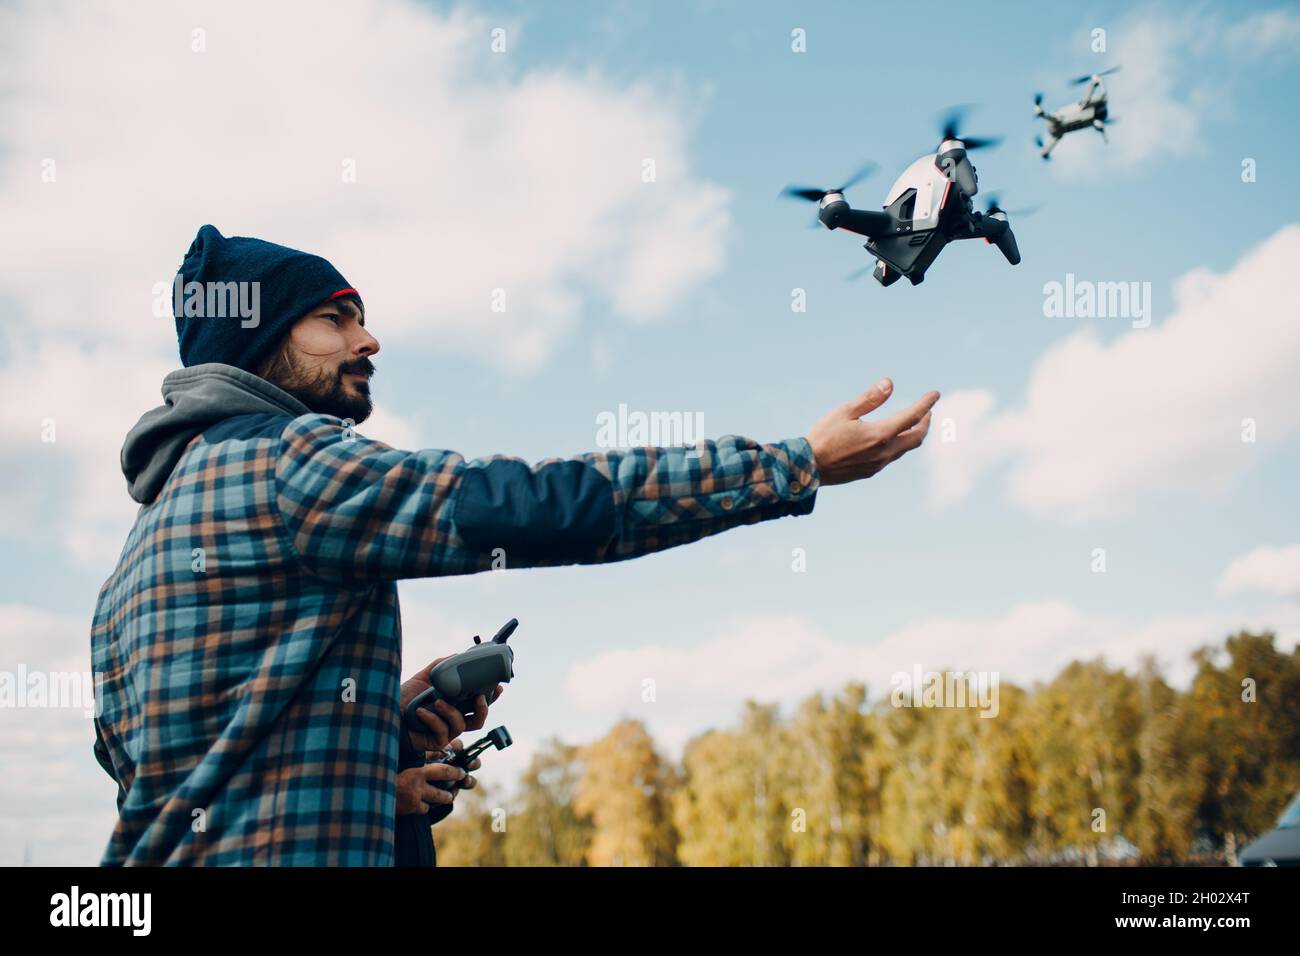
(438,732)
(433,795)
(477,719)
(869,400)
(452,717)
(443,771)
(897,424)
(900,445)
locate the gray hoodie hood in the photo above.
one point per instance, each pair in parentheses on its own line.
(193,399)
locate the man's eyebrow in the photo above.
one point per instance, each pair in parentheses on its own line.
(351,307)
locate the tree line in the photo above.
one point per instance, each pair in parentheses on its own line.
(1097,766)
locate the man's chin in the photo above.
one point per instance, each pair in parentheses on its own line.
(352,408)
(358,412)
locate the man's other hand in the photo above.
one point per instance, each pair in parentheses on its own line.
(444,722)
(416,792)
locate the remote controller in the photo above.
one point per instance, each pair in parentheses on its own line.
(498,738)
(460,679)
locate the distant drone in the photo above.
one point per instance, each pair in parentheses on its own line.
(1089,111)
(928,207)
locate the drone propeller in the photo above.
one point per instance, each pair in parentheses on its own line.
(1038,99)
(1089,76)
(995,206)
(817,195)
(951,130)
(1038,141)
(859,273)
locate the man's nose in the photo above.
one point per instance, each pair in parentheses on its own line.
(367,344)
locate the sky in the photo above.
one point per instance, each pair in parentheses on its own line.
(432,169)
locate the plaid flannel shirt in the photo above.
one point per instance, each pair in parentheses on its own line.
(249,640)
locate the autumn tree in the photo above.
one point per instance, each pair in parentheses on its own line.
(546,829)
(728,808)
(475,832)
(1245,701)
(625,790)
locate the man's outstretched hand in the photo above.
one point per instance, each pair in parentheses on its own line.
(847,448)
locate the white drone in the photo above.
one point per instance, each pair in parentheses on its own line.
(929,206)
(1091,111)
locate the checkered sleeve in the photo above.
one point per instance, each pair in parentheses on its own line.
(357,509)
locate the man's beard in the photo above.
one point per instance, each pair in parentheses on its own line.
(322,391)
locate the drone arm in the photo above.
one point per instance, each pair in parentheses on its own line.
(840,215)
(866,223)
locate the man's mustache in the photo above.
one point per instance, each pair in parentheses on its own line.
(362,366)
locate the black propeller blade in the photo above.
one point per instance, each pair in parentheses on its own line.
(804,192)
(1038,99)
(952,121)
(817,195)
(859,273)
(1089,76)
(866,170)
(995,205)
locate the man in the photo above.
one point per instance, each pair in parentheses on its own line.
(249,640)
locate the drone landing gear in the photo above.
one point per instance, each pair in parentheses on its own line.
(885,275)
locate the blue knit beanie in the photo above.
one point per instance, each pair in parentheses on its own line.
(235,299)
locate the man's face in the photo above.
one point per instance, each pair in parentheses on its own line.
(325,361)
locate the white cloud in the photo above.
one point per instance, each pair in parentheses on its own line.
(73,487)
(1164,93)
(1270,570)
(56,804)
(470,176)
(1264,33)
(1159,409)
(1154,104)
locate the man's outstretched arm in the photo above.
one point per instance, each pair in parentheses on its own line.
(357,509)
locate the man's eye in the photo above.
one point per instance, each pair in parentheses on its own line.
(332,316)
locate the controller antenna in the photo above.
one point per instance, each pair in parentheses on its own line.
(507,629)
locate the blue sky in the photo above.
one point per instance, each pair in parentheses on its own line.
(1117,456)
